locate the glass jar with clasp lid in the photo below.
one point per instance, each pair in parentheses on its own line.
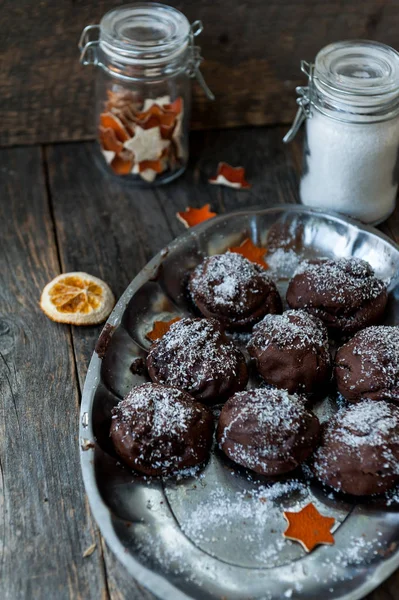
(146,59)
(351,144)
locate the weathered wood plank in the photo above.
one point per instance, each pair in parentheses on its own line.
(268,164)
(104,227)
(45,525)
(252,52)
(110,230)
(269,168)
(121,586)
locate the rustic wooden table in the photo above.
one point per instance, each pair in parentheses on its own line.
(60,213)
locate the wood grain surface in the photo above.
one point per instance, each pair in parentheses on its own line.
(45,524)
(252,52)
(60,213)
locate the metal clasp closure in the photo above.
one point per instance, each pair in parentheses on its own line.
(88,47)
(304,102)
(196,59)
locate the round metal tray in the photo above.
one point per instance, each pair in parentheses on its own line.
(219,534)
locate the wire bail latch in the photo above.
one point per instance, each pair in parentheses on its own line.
(304,102)
(196,59)
(87,47)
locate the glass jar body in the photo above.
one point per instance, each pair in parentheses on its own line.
(351,167)
(142,122)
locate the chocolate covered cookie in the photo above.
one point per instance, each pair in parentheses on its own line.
(368,365)
(343,293)
(359,452)
(233,290)
(291,351)
(267,430)
(159,430)
(195,356)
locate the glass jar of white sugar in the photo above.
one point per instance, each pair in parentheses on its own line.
(351,146)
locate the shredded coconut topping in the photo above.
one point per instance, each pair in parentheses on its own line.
(194,351)
(257,506)
(370,423)
(230,281)
(292,329)
(343,278)
(270,414)
(377,348)
(158,409)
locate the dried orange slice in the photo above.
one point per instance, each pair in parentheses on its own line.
(77,298)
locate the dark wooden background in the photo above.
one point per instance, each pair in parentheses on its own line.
(252,50)
(59,213)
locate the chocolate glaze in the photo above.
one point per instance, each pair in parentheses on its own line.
(233,290)
(368,365)
(359,451)
(267,430)
(104,340)
(291,352)
(195,356)
(158,430)
(343,293)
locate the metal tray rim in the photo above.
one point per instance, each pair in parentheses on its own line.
(158,584)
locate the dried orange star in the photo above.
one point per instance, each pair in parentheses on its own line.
(309,527)
(159,329)
(108,120)
(231,176)
(193,216)
(122,163)
(109,141)
(253,253)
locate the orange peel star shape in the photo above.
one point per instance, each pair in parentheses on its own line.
(231,176)
(253,253)
(194,216)
(159,329)
(309,527)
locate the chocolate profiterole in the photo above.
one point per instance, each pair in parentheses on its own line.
(368,365)
(158,430)
(233,290)
(267,430)
(359,452)
(291,351)
(343,293)
(195,356)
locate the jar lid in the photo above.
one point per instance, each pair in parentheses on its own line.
(144,32)
(363,71)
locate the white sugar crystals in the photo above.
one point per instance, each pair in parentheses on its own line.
(351,148)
